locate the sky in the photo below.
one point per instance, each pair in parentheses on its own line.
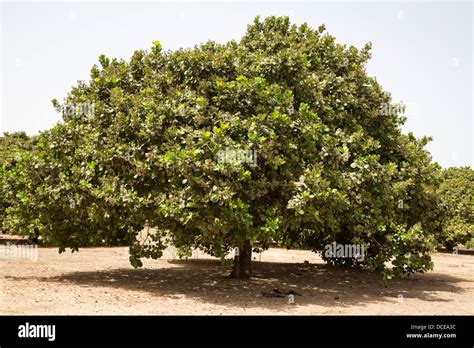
(422,52)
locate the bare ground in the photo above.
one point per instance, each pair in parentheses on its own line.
(101,281)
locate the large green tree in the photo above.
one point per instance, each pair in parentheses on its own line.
(329,162)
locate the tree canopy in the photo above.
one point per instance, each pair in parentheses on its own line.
(168,142)
(456,199)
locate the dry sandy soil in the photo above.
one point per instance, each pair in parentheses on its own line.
(101,281)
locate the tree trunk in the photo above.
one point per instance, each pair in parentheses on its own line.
(242,267)
(449,245)
(35,238)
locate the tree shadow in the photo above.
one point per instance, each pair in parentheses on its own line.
(319,284)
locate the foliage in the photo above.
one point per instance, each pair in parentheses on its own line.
(332,164)
(11,146)
(456,195)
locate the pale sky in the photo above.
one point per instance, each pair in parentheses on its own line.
(422,52)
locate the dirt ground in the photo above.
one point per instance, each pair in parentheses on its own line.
(101,281)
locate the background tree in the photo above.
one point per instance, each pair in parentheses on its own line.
(332,164)
(12,145)
(456,195)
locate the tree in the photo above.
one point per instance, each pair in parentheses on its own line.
(456,195)
(11,147)
(280,137)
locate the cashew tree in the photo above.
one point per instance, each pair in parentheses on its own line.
(280,137)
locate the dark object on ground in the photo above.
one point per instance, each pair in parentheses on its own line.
(280,293)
